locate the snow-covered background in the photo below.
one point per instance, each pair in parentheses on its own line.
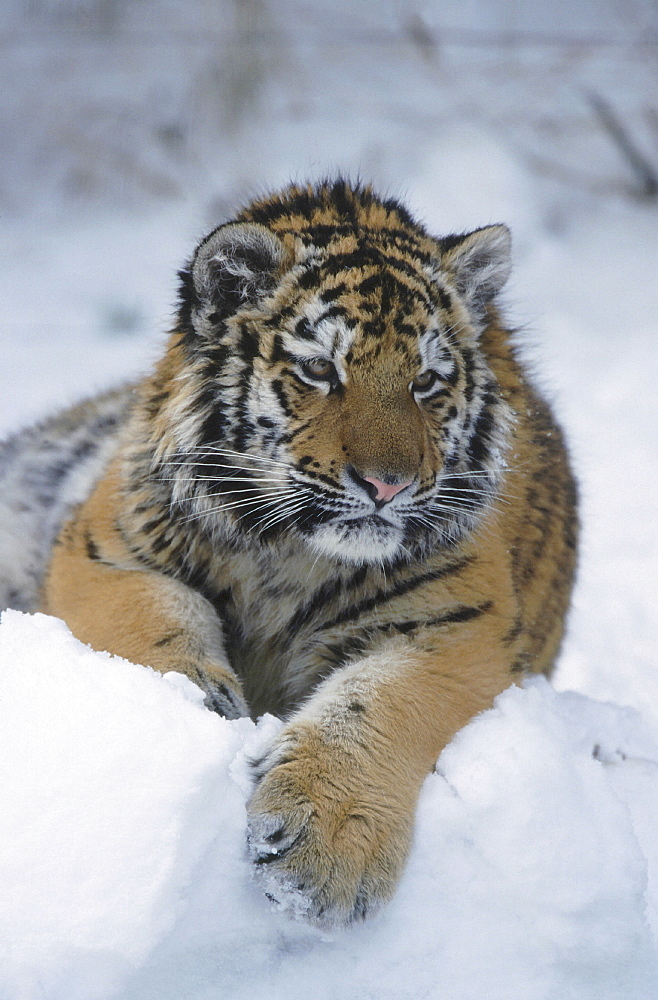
(128,130)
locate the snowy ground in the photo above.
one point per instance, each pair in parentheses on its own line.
(123,873)
(534,872)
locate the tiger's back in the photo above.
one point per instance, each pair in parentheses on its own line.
(45,472)
(337,498)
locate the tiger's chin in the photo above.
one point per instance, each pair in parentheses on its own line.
(368,540)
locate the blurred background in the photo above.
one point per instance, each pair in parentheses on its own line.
(131,127)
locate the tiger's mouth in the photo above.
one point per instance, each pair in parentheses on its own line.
(369,523)
(364,518)
(363,539)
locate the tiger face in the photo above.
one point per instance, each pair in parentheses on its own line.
(333,386)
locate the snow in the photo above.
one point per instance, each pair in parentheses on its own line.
(534,865)
(534,869)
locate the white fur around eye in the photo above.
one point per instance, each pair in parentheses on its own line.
(435,355)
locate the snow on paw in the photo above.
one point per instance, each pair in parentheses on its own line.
(326,842)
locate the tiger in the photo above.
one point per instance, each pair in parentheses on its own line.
(337,497)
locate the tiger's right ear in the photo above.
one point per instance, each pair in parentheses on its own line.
(236,264)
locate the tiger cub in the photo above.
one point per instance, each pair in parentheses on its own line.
(337,498)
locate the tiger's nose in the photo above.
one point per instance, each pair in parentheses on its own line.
(377,489)
(385,491)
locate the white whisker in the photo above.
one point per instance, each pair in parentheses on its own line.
(267,498)
(226,479)
(226,465)
(198,455)
(287,512)
(256,493)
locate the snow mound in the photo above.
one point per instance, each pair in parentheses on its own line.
(534,872)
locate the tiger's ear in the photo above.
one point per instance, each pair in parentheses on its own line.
(479,263)
(236,264)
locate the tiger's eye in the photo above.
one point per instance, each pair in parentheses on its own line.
(319,368)
(424,381)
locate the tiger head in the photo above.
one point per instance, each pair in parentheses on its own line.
(333,384)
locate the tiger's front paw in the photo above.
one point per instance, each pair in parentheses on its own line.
(327,836)
(223,693)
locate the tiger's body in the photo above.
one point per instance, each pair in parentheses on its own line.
(337,498)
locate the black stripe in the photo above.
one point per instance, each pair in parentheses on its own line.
(278,390)
(166,639)
(303,329)
(514,632)
(401,240)
(154,523)
(323,596)
(331,312)
(463,613)
(403,587)
(137,553)
(469,388)
(330,294)
(278,319)
(444,298)
(277,353)
(154,402)
(90,547)
(163,541)
(478,446)
(370,254)
(292,434)
(521,664)
(356,645)
(338,653)
(243,432)
(309,278)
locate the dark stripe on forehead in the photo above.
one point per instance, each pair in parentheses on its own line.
(393,292)
(332,312)
(310,278)
(280,316)
(330,294)
(363,256)
(368,254)
(303,329)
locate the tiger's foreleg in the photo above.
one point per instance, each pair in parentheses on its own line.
(142,615)
(332,812)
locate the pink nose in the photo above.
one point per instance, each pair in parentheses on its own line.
(386,491)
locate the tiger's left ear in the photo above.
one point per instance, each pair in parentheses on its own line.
(479,263)
(236,263)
